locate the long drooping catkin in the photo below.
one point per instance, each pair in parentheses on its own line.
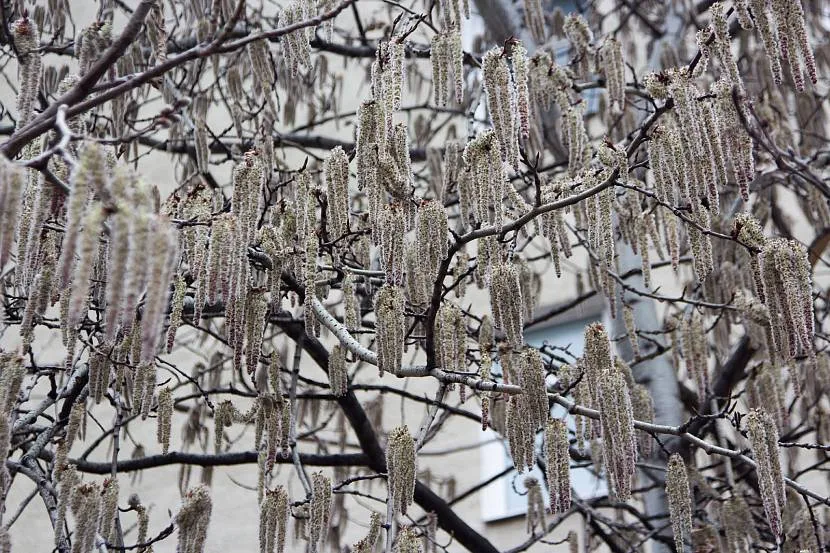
(680,505)
(401,468)
(557,465)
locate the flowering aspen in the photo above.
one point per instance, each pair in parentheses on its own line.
(86,509)
(520,434)
(391,229)
(450,339)
(680,504)
(25,35)
(557,465)
(695,352)
(763,439)
(619,439)
(506,302)
(165,254)
(193,519)
(109,509)
(11,193)
(520,77)
(787,288)
(581,38)
(367,544)
(431,230)
(336,175)
(502,104)
(408,542)
(401,468)
(338,371)
(319,511)
(273,520)
(88,251)
(165,418)
(613,67)
(389,307)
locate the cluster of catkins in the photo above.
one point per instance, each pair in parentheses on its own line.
(193,519)
(783,31)
(763,440)
(273,520)
(93,506)
(319,510)
(528,411)
(401,468)
(609,391)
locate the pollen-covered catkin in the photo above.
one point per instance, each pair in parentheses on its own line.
(109,509)
(619,442)
(338,371)
(320,510)
(86,508)
(431,230)
(389,309)
(450,339)
(534,392)
(391,228)
(401,468)
(193,519)
(177,307)
(408,542)
(88,251)
(506,302)
(557,465)
(763,439)
(520,77)
(695,352)
(787,285)
(165,418)
(520,434)
(680,503)
(613,67)
(12,181)
(273,520)
(25,35)
(502,104)
(162,262)
(336,176)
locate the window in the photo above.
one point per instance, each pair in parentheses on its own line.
(504,497)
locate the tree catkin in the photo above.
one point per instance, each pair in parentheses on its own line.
(557,465)
(401,468)
(193,519)
(506,302)
(389,308)
(320,510)
(763,439)
(680,505)
(273,520)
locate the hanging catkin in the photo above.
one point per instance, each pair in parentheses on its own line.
(557,465)
(401,468)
